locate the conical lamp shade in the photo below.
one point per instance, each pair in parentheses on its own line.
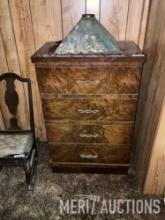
(88,37)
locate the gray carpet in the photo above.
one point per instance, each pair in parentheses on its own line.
(16,203)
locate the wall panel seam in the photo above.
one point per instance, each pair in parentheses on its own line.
(141,18)
(32,24)
(4,48)
(126,23)
(62,20)
(19,65)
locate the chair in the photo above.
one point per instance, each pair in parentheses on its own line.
(19,147)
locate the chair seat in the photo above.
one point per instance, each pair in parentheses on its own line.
(15,145)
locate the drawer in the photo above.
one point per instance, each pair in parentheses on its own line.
(89,154)
(109,80)
(112,80)
(52,80)
(89,133)
(99,108)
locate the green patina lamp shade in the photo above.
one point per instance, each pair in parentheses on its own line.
(88,37)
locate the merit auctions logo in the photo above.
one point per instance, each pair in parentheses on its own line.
(94,204)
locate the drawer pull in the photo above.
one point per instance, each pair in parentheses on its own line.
(88,111)
(88,82)
(89,135)
(89,156)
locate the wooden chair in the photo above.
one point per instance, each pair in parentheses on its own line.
(19,147)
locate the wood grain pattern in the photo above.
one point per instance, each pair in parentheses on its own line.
(89,133)
(88,100)
(150,49)
(52,80)
(89,153)
(45,25)
(2,125)
(103,108)
(8,37)
(23,33)
(3,64)
(144,21)
(152,94)
(3,68)
(46,19)
(114,17)
(135,14)
(71,13)
(115,80)
(25,43)
(11,57)
(155,179)
(4,110)
(98,80)
(44,56)
(10,60)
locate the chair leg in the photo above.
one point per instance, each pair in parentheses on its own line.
(30,167)
(31,177)
(37,151)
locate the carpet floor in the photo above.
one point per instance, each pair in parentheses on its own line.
(43,204)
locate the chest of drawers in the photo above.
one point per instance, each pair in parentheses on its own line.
(89,105)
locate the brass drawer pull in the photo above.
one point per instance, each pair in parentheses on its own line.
(89,156)
(88,111)
(89,135)
(88,82)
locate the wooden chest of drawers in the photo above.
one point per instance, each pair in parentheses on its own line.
(89,105)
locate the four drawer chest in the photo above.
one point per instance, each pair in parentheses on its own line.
(89,105)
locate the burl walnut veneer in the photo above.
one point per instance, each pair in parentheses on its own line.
(89,104)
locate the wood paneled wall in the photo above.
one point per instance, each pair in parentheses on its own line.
(155,176)
(149,154)
(26,24)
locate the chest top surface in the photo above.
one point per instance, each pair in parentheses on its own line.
(131,53)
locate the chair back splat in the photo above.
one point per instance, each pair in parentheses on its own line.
(12,99)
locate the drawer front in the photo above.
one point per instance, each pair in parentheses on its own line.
(89,133)
(89,154)
(100,108)
(111,80)
(52,80)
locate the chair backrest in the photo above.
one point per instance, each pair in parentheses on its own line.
(12,99)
